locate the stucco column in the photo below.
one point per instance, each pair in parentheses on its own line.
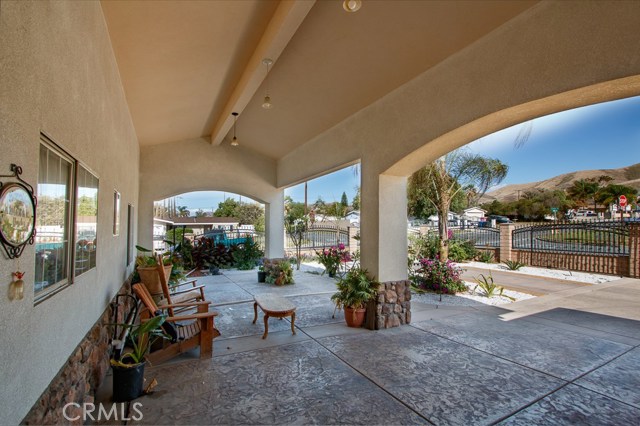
(383,236)
(274,225)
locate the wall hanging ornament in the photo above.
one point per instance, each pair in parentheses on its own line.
(17,214)
(16,288)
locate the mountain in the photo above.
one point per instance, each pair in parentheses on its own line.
(629,176)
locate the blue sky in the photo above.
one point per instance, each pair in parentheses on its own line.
(602,136)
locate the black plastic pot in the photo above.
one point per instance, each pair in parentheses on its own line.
(262,276)
(127,382)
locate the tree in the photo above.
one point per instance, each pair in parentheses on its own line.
(452,174)
(183,211)
(296,223)
(610,193)
(201,213)
(227,208)
(344,200)
(355,203)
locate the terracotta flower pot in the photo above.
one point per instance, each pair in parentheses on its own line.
(150,278)
(354,317)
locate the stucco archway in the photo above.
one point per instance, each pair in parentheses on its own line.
(195,165)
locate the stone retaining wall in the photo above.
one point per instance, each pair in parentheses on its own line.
(393,305)
(82,374)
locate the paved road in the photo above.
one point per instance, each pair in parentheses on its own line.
(531,284)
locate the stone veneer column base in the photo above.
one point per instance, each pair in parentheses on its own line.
(82,374)
(393,305)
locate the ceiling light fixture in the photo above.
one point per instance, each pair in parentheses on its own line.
(352,5)
(234,141)
(267,99)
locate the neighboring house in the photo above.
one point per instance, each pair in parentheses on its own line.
(452,217)
(354,218)
(160,227)
(474,214)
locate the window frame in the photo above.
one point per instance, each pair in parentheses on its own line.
(87,169)
(71,217)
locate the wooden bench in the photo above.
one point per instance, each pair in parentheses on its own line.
(274,306)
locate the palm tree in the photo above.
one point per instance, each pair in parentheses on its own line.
(447,176)
(612,192)
(183,211)
(582,190)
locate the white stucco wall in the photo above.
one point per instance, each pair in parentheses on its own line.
(58,75)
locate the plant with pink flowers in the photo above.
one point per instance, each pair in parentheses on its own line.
(440,277)
(333,258)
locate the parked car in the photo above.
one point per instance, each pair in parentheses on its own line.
(219,236)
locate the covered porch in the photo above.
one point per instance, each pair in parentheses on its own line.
(141,96)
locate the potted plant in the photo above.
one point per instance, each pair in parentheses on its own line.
(128,365)
(355,289)
(146,267)
(262,275)
(332,258)
(278,272)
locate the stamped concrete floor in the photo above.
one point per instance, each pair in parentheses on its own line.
(572,357)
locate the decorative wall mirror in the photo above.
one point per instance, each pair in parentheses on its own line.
(17,214)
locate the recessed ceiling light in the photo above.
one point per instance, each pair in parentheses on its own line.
(352,5)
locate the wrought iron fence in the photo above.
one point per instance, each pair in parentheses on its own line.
(321,236)
(591,237)
(481,237)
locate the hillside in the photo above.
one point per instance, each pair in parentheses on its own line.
(629,176)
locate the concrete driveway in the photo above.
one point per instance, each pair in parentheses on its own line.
(572,357)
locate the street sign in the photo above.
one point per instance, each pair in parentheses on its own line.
(554,210)
(622,201)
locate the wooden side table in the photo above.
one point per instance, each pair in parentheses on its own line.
(274,306)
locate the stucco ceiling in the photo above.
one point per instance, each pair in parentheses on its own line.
(186,66)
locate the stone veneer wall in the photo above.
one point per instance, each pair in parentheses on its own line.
(84,371)
(393,305)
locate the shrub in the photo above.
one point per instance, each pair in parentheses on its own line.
(441,277)
(460,250)
(485,256)
(513,265)
(422,247)
(247,255)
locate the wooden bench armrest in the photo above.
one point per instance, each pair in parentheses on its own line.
(185,305)
(183,283)
(187,290)
(192,316)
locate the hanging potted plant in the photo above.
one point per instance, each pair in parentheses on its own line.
(355,289)
(128,365)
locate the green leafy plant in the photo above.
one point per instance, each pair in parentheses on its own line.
(513,265)
(422,247)
(247,255)
(279,272)
(485,256)
(355,289)
(461,250)
(141,337)
(489,287)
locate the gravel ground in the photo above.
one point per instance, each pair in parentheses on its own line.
(544,272)
(460,299)
(469,298)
